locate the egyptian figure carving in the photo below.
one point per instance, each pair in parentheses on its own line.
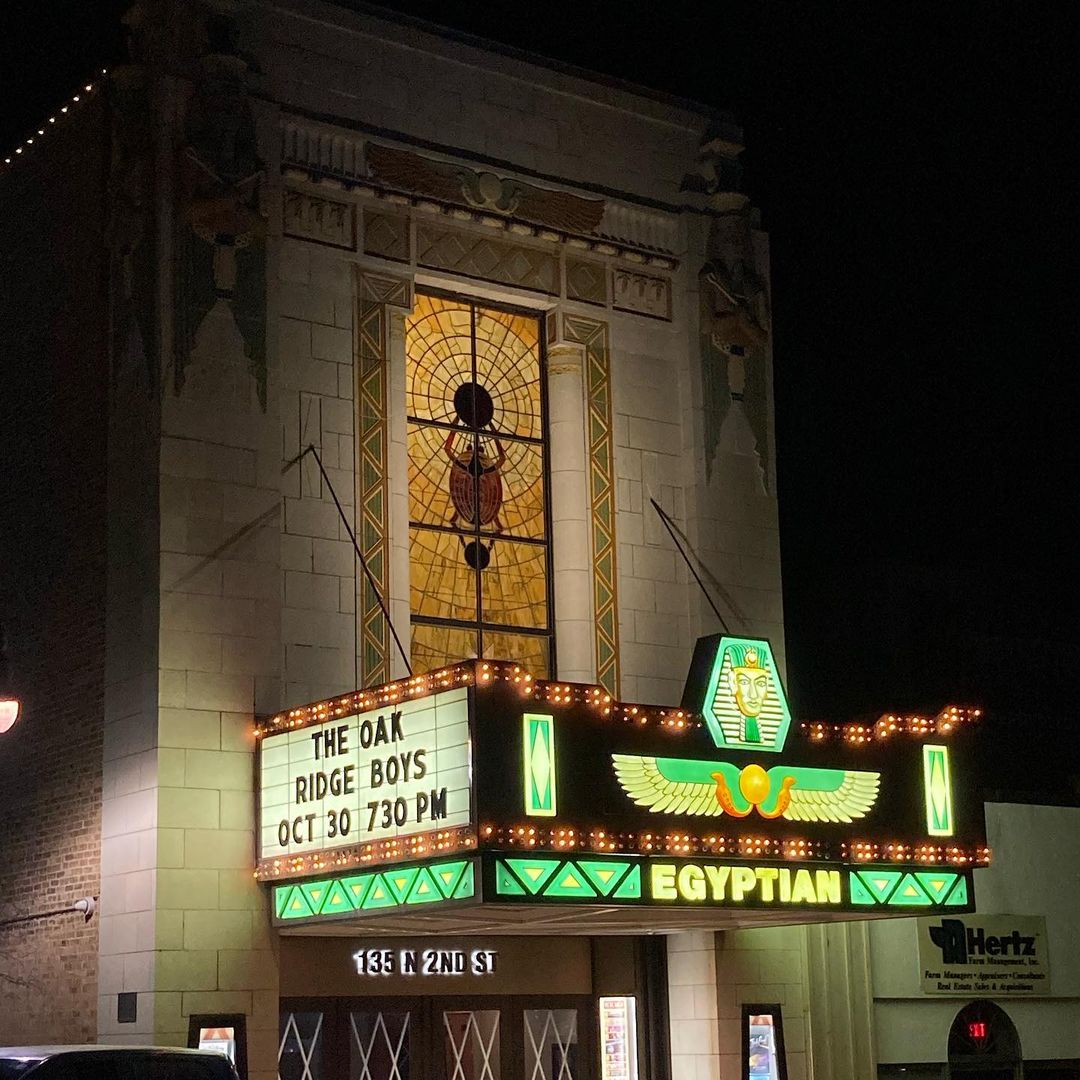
(221,307)
(734,311)
(129,233)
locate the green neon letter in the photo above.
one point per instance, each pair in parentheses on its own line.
(538,741)
(937,789)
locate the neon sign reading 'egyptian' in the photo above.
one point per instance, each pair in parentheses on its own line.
(716,883)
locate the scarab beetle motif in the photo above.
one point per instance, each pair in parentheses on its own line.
(475,481)
(476,462)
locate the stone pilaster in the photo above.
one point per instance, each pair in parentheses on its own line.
(841,1002)
(571,550)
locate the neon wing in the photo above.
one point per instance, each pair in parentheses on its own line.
(827,794)
(673,785)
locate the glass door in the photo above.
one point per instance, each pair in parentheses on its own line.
(379,1044)
(551,1044)
(437,1038)
(471,1043)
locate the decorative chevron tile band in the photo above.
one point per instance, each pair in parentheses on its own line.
(899,888)
(397,887)
(568,878)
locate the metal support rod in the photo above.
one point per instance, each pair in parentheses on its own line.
(668,524)
(310,449)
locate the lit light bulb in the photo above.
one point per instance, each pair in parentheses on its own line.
(9,713)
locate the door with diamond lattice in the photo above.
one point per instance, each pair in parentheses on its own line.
(439,1037)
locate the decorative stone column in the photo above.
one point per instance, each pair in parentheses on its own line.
(841,1001)
(571,550)
(692,1006)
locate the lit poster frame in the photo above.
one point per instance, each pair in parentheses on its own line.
(763,1053)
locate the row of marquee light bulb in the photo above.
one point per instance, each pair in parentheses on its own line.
(686,844)
(484,673)
(568,840)
(381,851)
(64,109)
(951,717)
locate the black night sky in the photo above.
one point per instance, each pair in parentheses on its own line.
(912,162)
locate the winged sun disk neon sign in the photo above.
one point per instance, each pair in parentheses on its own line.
(745,708)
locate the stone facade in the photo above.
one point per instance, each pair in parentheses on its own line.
(53,352)
(300,179)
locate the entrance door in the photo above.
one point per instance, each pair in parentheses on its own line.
(437,1038)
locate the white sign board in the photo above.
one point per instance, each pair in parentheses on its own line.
(984,955)
(618,1038)
(373,776)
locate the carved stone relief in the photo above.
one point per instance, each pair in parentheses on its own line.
(734,343)
(130,232)
(221,243)
(313,217)
(641,293)
(386,235)
(486,258)
(586,280)
(483,190)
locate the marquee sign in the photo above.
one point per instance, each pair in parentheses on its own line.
(727,801)
(378,775)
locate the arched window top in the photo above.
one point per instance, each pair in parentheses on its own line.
(983,1030)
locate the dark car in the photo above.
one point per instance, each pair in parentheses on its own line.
(112,1063)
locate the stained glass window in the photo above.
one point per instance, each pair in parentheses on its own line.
(478,530)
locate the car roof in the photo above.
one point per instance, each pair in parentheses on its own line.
(52,1051)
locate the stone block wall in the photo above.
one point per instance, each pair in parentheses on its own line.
(314,315)
(763,966)
(711,977)
(400,79)
(53,355)
(650,403)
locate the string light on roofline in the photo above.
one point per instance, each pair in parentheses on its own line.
(88,88)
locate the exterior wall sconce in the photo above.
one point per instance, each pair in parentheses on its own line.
(9,713)
(9,703)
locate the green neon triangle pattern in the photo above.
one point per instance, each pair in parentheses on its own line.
(315,891)
(603,874)
(959,895)
(399,880)
(380,895)
(909,893)
(337,899)
(357,888)
(424,890)
(505,882)
(296,905)
(569,881)
(630,887)
(533,873)
(860,894)
(937,885)
(465,887)
(447,876)
(880,882)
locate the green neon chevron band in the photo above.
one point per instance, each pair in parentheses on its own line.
(880,887)
(394,887)
(554,878)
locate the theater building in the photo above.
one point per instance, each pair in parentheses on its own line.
(368,384)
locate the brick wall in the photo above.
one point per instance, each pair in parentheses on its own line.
(52,574)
